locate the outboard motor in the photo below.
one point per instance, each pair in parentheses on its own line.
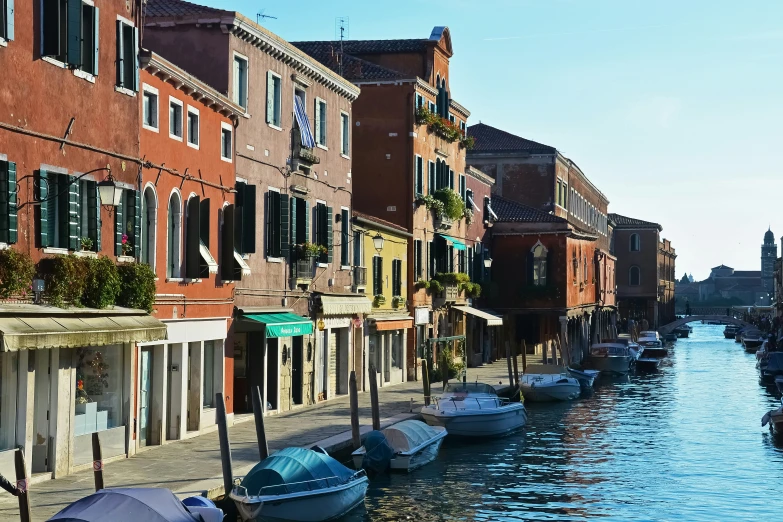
(378,452)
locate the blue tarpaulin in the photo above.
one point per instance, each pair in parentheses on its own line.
(128,505)
(295,469)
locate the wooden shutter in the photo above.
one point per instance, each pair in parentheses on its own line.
(204,217)
(43,209)
(345,238)
(397,275)
(377,276)
(135,207)
(431,259)
(273,224)
(192,232)
(119,219)
(470,264)
(318,122)
(74,28)
(295,239)
(9,19)
(120,55)
(96,40)
(227,248)
(8,226)
(51,28)
(135,31)
(73,213)
(451,179)
(270,97)
(239,202)
(285,216)
(329,234)
(249,220)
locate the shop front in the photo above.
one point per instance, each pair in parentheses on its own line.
(386,339)
(275,350)
(480,328)
(64,375)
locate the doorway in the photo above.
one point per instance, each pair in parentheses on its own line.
(42,406)
(145,396)
(272,373)
(297,369)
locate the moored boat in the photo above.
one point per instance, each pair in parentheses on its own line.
(775,420)
(682,331)
(672,337)
(752,340)
(738,336)
(773,368)
(548,382)
(474,410)
(299,485)
(730,331)
(652,345)
(647,364)
(413,442)
(586,378)
(612,358)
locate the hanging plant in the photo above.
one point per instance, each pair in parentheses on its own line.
(433,204)
(453,206)
(310,250)
(421,283)
(16,273)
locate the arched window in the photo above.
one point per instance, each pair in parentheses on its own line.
(635,243)
(634,276)
(173,256)
(149,220)
(539,254)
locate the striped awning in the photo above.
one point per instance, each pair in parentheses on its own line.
(492,320)
(304,124)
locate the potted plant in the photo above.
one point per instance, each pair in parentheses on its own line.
(86,243)
(308,249)
(127,248)
(379,300)
(398,301)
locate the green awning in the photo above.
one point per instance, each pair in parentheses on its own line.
(283,324)
(456,243)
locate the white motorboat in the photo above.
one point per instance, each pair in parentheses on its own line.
(652,344)
(586,378)
(548,382)
(474,410)
(752,340)
(612,358)
(414,444)
(299,485)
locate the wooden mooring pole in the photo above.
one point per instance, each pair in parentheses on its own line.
(516,368)
(258,413)
(97,462)
(22,480)
(524,356)
(352,389)
(508,361)
(225,447)
(376,414)
(425,381)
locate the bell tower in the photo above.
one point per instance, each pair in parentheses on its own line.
(769,254)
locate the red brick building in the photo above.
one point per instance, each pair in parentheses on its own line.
(293,155)
(190,127)
(409,143)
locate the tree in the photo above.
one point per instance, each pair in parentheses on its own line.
(685,279)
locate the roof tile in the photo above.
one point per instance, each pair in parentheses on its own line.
(512,212)
(629,222)
(491,139)
(352,68)
(174,8)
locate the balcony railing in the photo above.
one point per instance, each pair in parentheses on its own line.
(359,276)
(303,271)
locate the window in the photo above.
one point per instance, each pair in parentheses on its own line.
(469,199)
(320,122)
(276,223)
(634,276)
(419,101)
(90,213)
(396,277)
(461,261)
(431,260)
(127,56)
(323,231)
(193,127)
(239,93)
(377,275)
(432,107)
(462,187)
(273,99)
(58,227)
(127,223)
(174,228)
(345,134)
(358,248)
(635,243)
(451,179)
(431,177)
(150,106)
(418,169)
(245,218)
(417,260)
(7,19)
(208,373)
(8,212)
(175,119)
(226,152)
(70,33)
(345,237)
(300,221)
(101,397)
(471,266)
(149,218)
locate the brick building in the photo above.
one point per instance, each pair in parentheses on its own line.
(645,271)
(410,144)
(188,126)
(69,121)
(293,205)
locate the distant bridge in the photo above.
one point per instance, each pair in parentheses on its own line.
(668,328)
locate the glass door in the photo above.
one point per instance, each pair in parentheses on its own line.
(145,396)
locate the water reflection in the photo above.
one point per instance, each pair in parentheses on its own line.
(684,443)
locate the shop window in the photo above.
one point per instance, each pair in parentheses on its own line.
(99,392)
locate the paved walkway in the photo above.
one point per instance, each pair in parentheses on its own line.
(193,465)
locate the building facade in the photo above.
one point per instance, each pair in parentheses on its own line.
(293,155)
(666,282)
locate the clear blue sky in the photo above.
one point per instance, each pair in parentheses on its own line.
(672,108)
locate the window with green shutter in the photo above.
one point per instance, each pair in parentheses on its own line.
(89,213)
(418,172)
(7,19)
(193,238)
(273,99)
(417,260)
(245,225)
(70,33)
(345,238)
(396,277)
(8,219)
(377,275)
(323,231)
(462,187)
(430,177)
(273,218)
(320,122)
(58,213)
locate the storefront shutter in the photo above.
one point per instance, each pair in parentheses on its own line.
(192,231)
(227,247)
(74,28)
(285,216)
(73,214)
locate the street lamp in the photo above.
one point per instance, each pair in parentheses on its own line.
(487,262)
(377,242)
(109,191)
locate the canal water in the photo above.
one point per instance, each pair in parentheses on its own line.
(683,444)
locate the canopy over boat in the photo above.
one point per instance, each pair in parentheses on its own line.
(295,469)
(409,434)
(128,505)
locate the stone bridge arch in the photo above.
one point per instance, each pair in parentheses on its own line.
(668,328)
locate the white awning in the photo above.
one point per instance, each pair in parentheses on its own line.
(492,320)
(345,305)
(492,212)
(207,257)
(241,262)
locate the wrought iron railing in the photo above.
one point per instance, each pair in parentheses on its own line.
(359,276)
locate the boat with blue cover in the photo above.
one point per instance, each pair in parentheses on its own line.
(299,485)
(412,443)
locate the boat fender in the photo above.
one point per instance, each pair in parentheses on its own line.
(521,397)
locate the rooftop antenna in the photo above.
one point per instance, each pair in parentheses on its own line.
(260,16)
(342,29)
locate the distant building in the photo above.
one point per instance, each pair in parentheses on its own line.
(733,287)
(769,254)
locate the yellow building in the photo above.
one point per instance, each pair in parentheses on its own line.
(381,271)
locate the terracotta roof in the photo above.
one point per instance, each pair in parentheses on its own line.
(169,8)
(380,221)
(629,222)
(353,68)
(414,45)
(491,139)
(512,212)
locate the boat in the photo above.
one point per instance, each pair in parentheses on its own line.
(474,410)
(738,335)
(773,368)
(672,337)
(775,420)
(142,504)
(682,331)
(730,331)
(612,358)
(647,364)
(752,340)
(414,444)
(299,485)
(548,382)
(586,378)
(652,345)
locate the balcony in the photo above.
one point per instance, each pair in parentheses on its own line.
(359,277)
(443,223)
(303,272)
(303,157)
